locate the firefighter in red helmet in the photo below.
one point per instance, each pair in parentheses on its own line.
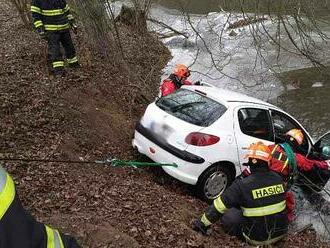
(175,80)
(252,208)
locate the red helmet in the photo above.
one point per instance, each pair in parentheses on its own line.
(181,71)
(297,135)
(259,151)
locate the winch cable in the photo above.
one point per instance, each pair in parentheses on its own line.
(109,161)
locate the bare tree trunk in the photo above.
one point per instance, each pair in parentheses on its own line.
(23,9)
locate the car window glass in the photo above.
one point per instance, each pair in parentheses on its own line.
(192,107)
(282,124)
(255,122)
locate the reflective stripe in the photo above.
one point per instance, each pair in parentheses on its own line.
(258,153)
(285,164)
(274,149)
(205,220)
(35,9)
(38,23)
(58,64)
(53,238)
(266,242)
(66,8)
(73,60)
(279,158)
(263,211)
(7,191)
(56,27)
(53,12)
(219,205)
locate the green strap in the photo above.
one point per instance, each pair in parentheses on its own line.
(291,158)
(136,164)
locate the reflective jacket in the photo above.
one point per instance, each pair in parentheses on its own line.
(171,84)
(261,196)
(18,229)
(52,15)
(280,162)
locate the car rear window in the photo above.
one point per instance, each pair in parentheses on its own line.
(192,107)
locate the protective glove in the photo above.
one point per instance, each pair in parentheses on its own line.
(328,163)
(199,226)
(245,173)
(41,32)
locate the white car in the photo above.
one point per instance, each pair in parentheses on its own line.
(205,131)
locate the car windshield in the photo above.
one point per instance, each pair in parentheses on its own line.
(192,107)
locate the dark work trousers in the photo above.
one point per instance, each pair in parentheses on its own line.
(55,39)
(232,222)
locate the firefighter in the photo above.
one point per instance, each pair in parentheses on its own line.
(52,20)
(175,80)
(288,162)
(253,207)
(19,229)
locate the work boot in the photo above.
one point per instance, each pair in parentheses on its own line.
(74,65)
(58,73)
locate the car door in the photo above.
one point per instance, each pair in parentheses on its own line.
(282,123)
(320,151)
(251,124)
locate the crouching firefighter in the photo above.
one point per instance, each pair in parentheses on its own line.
(53,20)
(252,208)
(19,229)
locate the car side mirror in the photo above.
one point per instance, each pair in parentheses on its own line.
(322,146)
(326,151)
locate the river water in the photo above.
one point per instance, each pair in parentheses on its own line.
(228,59)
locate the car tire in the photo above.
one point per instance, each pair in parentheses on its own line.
(214,181)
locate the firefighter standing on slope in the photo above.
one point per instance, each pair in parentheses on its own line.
(252,208)
(175,80)
(18,229)
(53,20)
(287,162)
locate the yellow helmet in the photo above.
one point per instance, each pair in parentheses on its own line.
(181,71)
(259,151)
(296,134)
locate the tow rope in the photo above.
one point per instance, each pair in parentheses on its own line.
(109,161)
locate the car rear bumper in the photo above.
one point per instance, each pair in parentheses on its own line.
(184,155)
(189,167)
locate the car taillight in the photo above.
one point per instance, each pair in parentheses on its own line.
(201,139)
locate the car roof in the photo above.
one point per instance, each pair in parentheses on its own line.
(228,96)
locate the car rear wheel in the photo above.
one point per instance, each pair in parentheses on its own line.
(214,181)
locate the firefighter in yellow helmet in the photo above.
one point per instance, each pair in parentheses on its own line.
(252,208)
(19,229)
